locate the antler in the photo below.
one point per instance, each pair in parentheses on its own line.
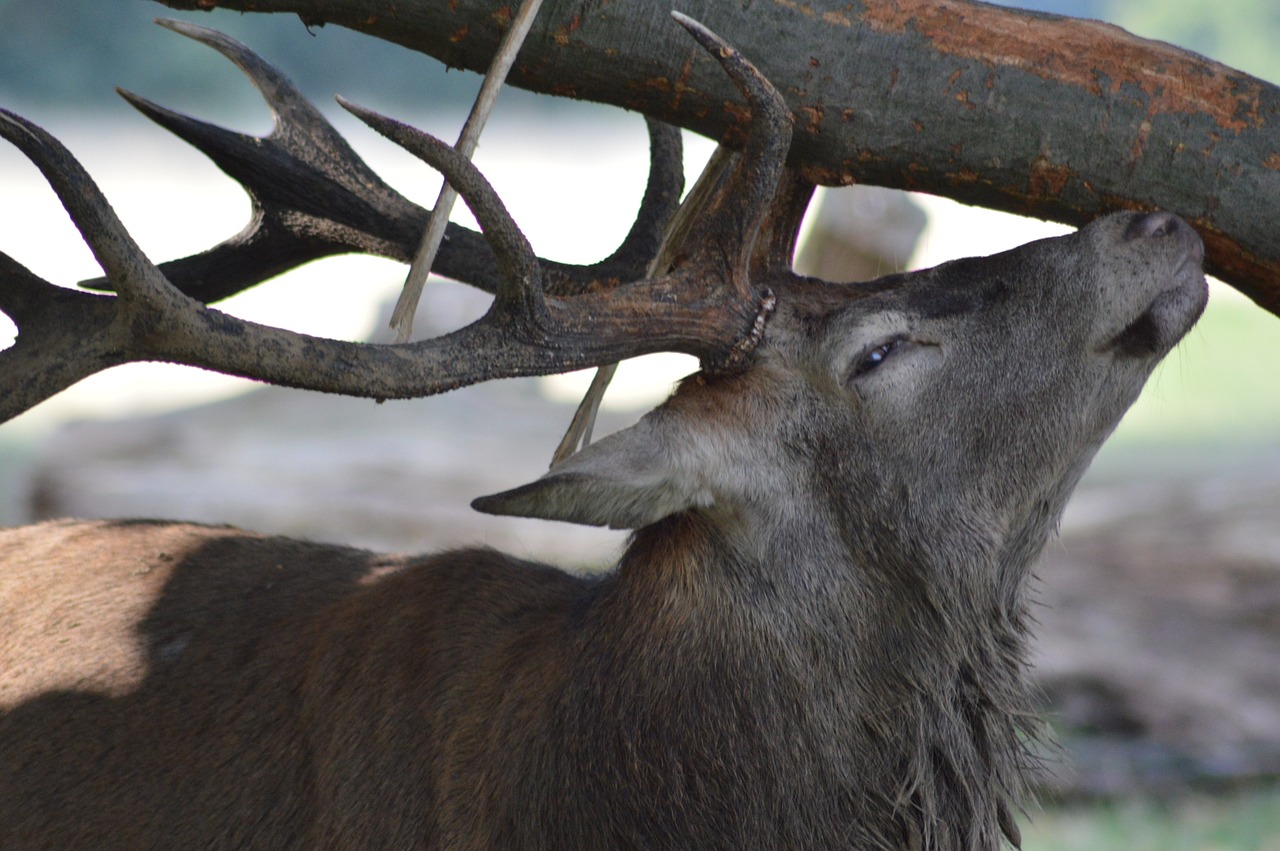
(706,305)
(314,197)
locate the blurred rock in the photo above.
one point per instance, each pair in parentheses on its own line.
(861,232)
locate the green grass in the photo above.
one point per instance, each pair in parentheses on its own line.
(1244,821)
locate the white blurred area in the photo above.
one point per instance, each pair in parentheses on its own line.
(573,188)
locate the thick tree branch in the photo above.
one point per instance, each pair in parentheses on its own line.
(1035,114)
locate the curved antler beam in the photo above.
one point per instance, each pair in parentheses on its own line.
(313,196)
(1036,114)
(706,306)
(520,283)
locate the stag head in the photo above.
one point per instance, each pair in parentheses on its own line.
(879,482)
(982,380)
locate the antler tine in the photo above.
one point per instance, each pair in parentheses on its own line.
(311,207)
(74,326)
(104,233)
(776,245)
(299,126)
(21,292)
(661,200)
(247,159)
(31,301)
(740,204)
(65,335)
(313,197)
(521,289)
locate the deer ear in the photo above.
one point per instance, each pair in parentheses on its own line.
(627,480)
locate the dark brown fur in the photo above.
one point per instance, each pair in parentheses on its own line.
(814,639)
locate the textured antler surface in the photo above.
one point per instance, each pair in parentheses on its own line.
(313,196)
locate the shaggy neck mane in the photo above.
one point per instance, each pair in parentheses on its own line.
(915,707)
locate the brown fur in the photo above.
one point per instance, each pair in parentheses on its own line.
(814,639)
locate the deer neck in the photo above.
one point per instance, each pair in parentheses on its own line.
(882,680)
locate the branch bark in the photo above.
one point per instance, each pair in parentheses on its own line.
(1036,114)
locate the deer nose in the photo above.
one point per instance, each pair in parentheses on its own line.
(1153,225)
(1167,226)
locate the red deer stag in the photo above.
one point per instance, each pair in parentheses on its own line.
(814,638)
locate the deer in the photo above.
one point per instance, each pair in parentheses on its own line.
(815,636)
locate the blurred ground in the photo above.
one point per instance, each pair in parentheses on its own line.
(1159,639)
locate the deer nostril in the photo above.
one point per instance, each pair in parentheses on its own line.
(1152,225)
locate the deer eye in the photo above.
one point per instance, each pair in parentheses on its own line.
(873,357)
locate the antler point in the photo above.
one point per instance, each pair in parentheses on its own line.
(183,27)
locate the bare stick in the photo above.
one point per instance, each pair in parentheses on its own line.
(407,304)
(759,168)
(578,435)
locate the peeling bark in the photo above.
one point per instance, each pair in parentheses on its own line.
(1036,114)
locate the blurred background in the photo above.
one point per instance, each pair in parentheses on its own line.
(1160,654)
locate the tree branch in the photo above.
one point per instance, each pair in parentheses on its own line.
(1035,114)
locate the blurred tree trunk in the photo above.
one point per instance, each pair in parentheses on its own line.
(1036,114)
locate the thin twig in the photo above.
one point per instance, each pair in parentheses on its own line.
(578,435)
(407,304)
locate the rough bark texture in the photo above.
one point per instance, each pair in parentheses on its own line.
(1031,113)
